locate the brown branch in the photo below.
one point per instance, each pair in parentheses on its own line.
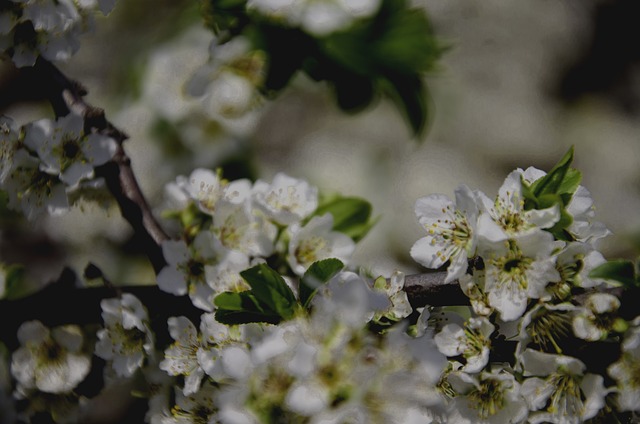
(66,96)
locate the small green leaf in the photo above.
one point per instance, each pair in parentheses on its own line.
(242,308)
(410,95)
(551,183)
(270,290)
(570,183)
(351,216)
(318,273)
(622,271)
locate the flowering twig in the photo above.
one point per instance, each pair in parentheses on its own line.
(66,96)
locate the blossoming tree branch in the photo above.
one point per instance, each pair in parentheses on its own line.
(257,313)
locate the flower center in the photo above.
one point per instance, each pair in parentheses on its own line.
(488,399)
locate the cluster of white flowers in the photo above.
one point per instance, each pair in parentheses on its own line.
(50,28)
(520,284)
(233,225)
(322,367)
(317,17)
(228,84)
(45,161)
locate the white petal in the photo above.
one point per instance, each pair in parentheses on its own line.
(99,149)
(307,398)
(451,340)
(175,251)
(172,281)
(427,253)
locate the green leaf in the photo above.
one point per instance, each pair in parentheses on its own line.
(318,273)
(551,183)
(351,216)
(570,182)
(270,290)
(241,308)
(409,93)
(622,271)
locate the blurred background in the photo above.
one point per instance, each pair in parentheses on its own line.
(520,84)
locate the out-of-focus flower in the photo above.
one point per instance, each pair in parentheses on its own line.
(65,150)
(185,269)
(126,339)
(316,241)
(50,28)
(49,361)
(286,200)
(627,369)
(317,17)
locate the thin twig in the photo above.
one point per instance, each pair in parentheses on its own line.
(66,96)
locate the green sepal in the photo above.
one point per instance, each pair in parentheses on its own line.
(351,216)
(318,274)
(242,308)
(622,271)
(270,290)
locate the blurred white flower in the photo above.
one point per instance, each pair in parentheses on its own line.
(185,269)
(183,356)
(50,28)
(626,370)
(126,339)
(286,200)
(65,150)
(597,318)
(32,190)
(393,288)
(316,241)
(317,17)
(49,361)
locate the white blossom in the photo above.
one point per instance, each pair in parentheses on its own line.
(519,270)
(558,390)
(241,230)
(32,190)
(486,398)
(451,231)
(506,217)
(317,17)
(185,270)
(286,200)
(316,241)
(228,83)
(126,339)
(183,356)
(65,150)
(50,28)
(626,370)
(471,341)
(597,318)
(393,288)
(49,361)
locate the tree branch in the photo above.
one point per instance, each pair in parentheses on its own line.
(66,96)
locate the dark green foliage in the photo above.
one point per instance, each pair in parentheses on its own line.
(388,55)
